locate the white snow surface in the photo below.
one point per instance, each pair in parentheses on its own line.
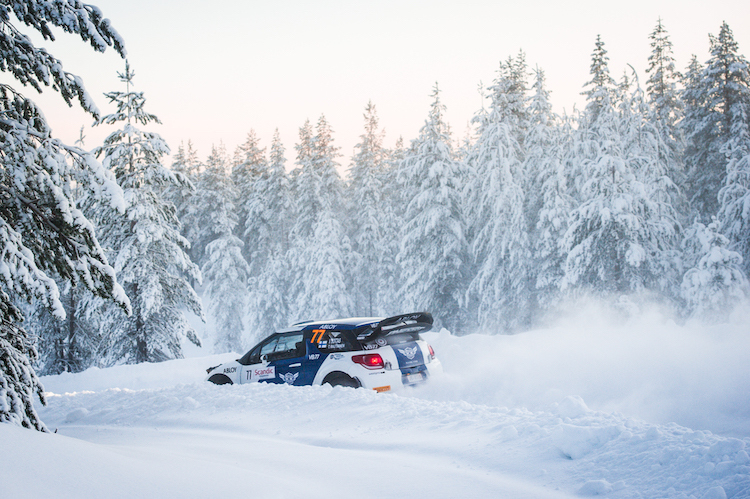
(592,407)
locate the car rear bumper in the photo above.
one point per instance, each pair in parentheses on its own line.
(394,379)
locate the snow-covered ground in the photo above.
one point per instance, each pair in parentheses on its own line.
(593,406)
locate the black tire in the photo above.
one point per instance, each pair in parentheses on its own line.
(220,379)
(341,379)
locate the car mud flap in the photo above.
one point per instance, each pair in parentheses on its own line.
(411,363)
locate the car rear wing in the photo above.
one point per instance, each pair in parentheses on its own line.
(414,323)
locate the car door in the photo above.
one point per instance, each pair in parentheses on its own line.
(255,364)
(286,358)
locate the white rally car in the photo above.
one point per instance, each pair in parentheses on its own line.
(373,353)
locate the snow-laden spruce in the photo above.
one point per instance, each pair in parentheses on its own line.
(662,80)
(42,232)
(734,196)
(715,283)
(186,166)
(549,179)
(146,247)
(370,215)
(319,247)
(433,251)
(500,243)
(225,271)
(716,97)
(620,236)
(268,208)
(248,164)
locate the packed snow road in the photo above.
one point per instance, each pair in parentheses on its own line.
(507,420)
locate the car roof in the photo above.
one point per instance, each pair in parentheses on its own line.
(347,323)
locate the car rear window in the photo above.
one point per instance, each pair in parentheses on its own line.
(398,338)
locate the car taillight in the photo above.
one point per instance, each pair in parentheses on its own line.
(432,352)
(369,360)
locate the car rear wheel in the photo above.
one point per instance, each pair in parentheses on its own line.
(341,379)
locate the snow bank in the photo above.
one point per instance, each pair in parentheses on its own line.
(190,440)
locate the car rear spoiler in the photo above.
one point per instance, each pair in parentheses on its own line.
(417,322)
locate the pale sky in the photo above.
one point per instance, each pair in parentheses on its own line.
(214,70)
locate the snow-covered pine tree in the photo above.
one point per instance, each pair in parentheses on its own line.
(601,92)
(391,219)
(662,80)
(666,107)
(319,245)
(366,206)
(694,109)
(42,233)
(249,164)
(734,196)
(618,235)
(225,271)
(541,134)
(433,247)
(269,210)
(715,284)
(507,106)
(69,345)
(653,161)
(185,162)
(500,245)
(547,184)
(721,95)
(200,216)
(147,249)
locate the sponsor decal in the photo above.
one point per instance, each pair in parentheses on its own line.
(228,370)
(289,378)
(261,373)
(337,356)
(370,346)
(381,389)
(313,356)
(381,342)
(410,329)
(409,353)
(328,326)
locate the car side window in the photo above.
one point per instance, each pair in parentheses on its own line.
(269,347)
(253,356)
(285,346)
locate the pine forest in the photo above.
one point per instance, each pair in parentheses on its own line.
(111,256)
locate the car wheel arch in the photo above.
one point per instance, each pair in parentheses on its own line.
(340,378)
(220,379)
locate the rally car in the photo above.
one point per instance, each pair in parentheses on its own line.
(373,353)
